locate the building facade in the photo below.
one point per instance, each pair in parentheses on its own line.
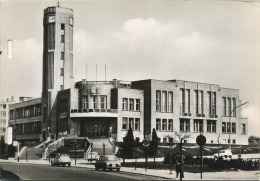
(104,109)
(4,116)
(25,118)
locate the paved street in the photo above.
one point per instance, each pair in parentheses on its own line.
(39,169)
(26,171)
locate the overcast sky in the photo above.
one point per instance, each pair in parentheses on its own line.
(210,41)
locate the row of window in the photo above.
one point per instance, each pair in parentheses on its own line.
(197,126)
(229,105)
(26,128)
(131,104)
(29,111)
(198,102)
(164,101)
(3,106)
(133,123)
(2,115)
(226,127)
(164,124)
(94,102)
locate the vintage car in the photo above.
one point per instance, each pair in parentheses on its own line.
(92,156)
(61,159)
(109,162)
(225,154)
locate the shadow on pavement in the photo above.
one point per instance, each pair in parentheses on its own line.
(6,175)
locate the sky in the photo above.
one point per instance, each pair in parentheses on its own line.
(208,41)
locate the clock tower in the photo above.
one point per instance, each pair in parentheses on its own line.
(57,62)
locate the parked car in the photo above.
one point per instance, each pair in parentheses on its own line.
(225,154)
(61,159)
(108,162)
(92,156)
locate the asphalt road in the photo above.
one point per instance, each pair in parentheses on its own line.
(14,171)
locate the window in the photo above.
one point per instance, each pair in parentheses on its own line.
(158,100)
(182,103)
(187,107)
(201,102)
(228,127)
(243,128)
(125,103)
(164,125)
(85,102)
(62,39)
(224,106)
(198,126)
(164,99)
(233,128)
(164,140)
(234,141)
(131,123)
(158,124)
(62,26)
(137,124)
(211,126)
(4,106)
(170,124)
(124,123)
(184,125)
(209,98)
(131,104)
(95,104)
(234,105)
(137,104)
(62,55)
(196,102)
(214,103)
(170,101)
(103,102)
(61,71)
(229,105)
(224,127)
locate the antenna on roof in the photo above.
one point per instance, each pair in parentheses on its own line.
(58,4)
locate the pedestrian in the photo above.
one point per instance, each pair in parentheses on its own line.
(178,168)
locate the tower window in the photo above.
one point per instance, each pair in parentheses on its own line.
(62,71)
(62,39)
(62,55)
(62,26)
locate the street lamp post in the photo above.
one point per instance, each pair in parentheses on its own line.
(230,126)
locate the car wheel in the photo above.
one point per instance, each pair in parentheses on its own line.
(118,169)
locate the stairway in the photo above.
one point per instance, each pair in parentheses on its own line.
(32,154)
(98,146)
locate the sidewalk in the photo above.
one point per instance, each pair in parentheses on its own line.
(164,174)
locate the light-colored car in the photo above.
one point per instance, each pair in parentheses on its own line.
(225,154)
(109,162)
(92,156)
(61,159)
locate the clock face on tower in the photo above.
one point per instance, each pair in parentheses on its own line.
(51,19)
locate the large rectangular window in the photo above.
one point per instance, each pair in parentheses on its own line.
(234,105)
(158,124)
(131,104)
(184,125)
(201,102)
(182,102)
(196,102)
(124,123)
(170,102)
(137,104)
(214,103)
(103,102)
(187,101)
(137,124)
(164,125)
(164,101)
(131,123)
(62,55)
(243,128)
(62,39)
(233,128)
(211,126)
(224,106)
(170,125)
(198,126)
(158,100)
(224,127)
(125,103)
(229,105)
(95,102)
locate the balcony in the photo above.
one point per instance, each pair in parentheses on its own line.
(93,113)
